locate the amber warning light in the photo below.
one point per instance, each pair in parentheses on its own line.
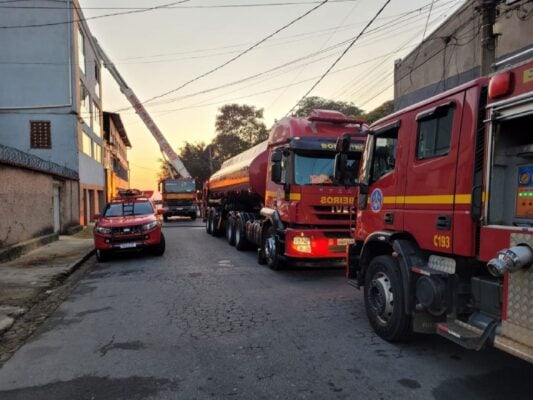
(500,85)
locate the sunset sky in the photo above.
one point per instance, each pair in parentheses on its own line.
(159,50)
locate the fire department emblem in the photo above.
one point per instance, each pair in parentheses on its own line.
(376,200)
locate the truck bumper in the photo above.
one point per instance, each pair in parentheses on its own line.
(180,211)
(127,242)
(316,247)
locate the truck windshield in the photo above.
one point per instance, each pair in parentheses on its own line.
(179,186)
(133,208)
(317,168)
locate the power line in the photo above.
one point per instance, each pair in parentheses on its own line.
(341,56)
(90,18)
(238,55)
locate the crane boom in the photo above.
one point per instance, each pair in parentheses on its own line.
(165,147)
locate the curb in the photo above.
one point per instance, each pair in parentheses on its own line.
(20,249)
(74,266)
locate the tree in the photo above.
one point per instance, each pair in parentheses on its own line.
(238,127)
(197,159)
(314,102)
(380,112)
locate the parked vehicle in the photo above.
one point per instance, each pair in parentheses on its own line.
(444,233)
(179,198)
(128,222)
(280,196)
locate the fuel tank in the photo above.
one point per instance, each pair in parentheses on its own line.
(243,175)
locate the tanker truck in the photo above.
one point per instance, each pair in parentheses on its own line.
(281,198)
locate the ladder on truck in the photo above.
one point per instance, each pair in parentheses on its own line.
(165,147)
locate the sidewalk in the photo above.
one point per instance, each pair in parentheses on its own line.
(23,280)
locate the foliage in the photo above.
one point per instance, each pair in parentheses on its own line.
(379,112)
(238,127)
(197,160)
(314,102)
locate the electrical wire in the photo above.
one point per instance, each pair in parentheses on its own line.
(219,67)
(91,18)
(341,56)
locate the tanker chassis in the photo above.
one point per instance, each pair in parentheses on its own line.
(280,197)
(444,238)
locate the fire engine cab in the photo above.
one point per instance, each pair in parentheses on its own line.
(444,234)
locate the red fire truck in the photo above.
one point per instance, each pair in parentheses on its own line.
(281,197)
(444,233)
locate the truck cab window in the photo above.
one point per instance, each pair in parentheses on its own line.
(384,155)
(434,134)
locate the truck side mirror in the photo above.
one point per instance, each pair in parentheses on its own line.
(276,172)
(339,172)
(276,156)
(343,143)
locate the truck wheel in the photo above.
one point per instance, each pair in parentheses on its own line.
(271,250)
(208,226)
(159,249)
(102,255)
(240,236)
(193,216)
(165,217)
(385,300)
(230,231)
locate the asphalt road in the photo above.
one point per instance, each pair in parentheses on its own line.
(206,322)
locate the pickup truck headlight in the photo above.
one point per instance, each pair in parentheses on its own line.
(102,230)
(150,225)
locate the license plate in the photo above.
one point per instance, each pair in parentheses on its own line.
(179,208)
(128,245)
(345,241)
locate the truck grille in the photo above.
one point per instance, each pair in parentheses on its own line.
(178,203)
(334,213)
(127,230)
(126,239)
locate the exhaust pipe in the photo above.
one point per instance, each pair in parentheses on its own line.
(510,260)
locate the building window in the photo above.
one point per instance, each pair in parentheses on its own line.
(435,133)
(97,79)
(97,152)
(85,110)
(81,51)
(86,145)
(97,128)
(40,135)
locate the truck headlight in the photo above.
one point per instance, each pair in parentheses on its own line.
(102,230)
(302,244)
(150,225)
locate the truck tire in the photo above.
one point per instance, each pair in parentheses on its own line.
(271,250)
(208,226)
(159,249)
(102,255)
(192,216)
(230,231)
(240,235)
(385,300)
(165,217)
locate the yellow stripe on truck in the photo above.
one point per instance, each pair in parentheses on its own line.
(429,199)
(228,182)
(179,196)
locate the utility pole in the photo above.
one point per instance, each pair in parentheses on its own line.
(488,39)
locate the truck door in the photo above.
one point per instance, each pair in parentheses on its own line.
(377,203)
(431,178)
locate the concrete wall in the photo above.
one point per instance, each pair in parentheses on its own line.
(450,56)
(26,210)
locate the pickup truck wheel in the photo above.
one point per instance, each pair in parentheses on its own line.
(385,300)
(102,255)
(159,249)
(230,231)
(271,250)
(165,217)
(192,216)
(240,236)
